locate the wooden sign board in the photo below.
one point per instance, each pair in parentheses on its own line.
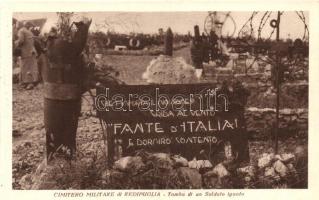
(183,119)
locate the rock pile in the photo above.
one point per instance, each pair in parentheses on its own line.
(146,170)
(274,171)
(161,170)
(169,70)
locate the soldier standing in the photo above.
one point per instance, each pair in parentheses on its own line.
(29,74)
(63,73)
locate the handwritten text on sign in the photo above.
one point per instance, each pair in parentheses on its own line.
(170,116)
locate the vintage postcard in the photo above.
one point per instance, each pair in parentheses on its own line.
(132,100)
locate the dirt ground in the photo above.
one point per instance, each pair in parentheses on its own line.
(28,128)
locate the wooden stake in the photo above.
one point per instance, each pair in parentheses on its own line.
(277,85)
(168,43)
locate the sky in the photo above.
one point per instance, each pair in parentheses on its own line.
(180,22)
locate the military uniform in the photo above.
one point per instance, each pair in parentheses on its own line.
(28,57)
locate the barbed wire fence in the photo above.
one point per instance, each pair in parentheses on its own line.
(290,180)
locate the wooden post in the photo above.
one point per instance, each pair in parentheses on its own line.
(110,149)
(277,84)
(197,50)
(62,90)
(168,43)
(196,34)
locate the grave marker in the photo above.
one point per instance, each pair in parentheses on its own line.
(182,119)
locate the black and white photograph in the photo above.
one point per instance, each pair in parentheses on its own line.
(173,100)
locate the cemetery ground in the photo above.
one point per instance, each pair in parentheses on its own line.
(90,170)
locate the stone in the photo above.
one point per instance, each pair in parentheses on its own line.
(122,163)
(280,168)
(250,170)
(300,151)
(220,171)
(199,164)
(180,161)
(294,118)
(192,177)
(286,111)
(301,161)
(192,164)
(285,157)
(26,182)
(46,178)
(270,172)
(286,118)
(161,160)
(105,174)
(247,179)
(265,160)
(129,164)
(169,70)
